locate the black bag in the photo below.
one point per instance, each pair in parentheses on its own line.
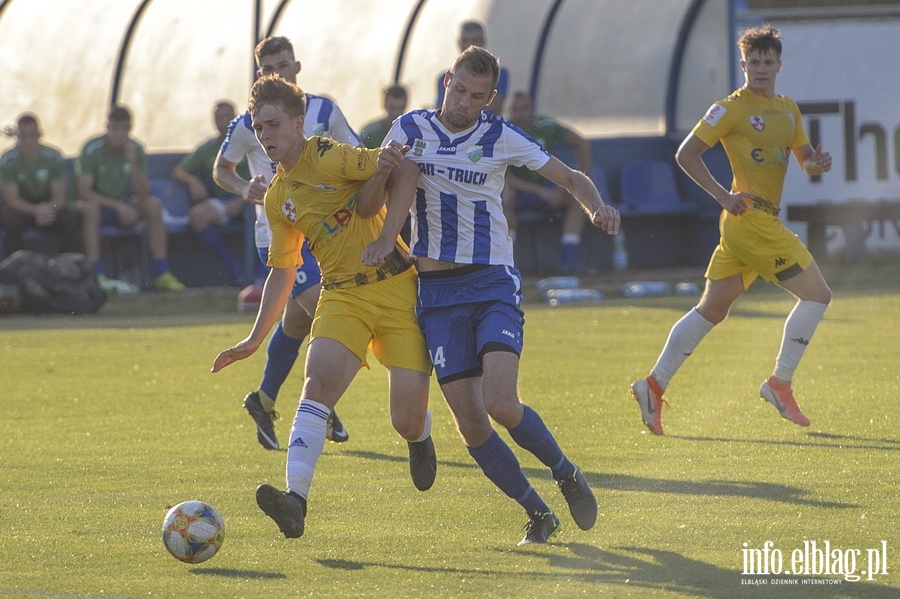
(66,284)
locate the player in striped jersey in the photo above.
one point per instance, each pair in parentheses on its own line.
(470,294)
(323,118)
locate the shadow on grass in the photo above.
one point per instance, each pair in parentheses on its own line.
(638,568)
(372,455)
(624,482)
(711,488)
(232,573)
(815,439)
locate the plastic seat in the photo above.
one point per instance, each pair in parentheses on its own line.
(176,201)
(648,187)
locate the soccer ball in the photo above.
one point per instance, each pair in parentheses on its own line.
(193,531)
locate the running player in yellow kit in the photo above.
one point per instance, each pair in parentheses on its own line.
(759,131)
(333,195)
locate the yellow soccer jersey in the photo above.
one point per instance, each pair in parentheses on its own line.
(758,134)
(317,200)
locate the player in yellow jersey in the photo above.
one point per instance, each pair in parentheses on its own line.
(759,131)
(333,195)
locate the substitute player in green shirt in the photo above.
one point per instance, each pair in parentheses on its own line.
(34,186)
(115,190)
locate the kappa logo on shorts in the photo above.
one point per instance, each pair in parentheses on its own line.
(780,262)
(289,209)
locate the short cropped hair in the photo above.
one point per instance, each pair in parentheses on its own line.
(119,114)
(273,89)
(764,38)
(396,90)
(472,26)
(27,118)
(479,62)
(272,46)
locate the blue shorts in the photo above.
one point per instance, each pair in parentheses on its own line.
(109,217)
(467,312)
(308,275)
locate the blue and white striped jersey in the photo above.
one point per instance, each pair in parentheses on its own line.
(323,118)
(458,213)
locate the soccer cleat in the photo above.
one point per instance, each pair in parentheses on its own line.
(288,510)
(115,286)
(649,396)
(168,282)
(540,527)
(581,500)
(422,463)
(334,429)
(265,432)
(781,396)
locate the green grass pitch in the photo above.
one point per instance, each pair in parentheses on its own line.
(106,421)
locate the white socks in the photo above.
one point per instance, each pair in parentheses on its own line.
(427,430)
(306,443)
(799,327)
(685,336)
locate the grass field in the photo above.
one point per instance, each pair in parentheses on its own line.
(110,419)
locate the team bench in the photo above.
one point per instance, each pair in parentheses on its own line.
(856,217)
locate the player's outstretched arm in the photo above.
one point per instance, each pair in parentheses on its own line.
(372,193)
(581,187)
(274,297)
(402,190)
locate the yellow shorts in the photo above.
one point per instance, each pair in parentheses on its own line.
(378,315)
(757,244)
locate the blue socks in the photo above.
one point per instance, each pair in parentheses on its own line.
(500,465)
(280,357)
(160,266)
(532,434)
(211,237)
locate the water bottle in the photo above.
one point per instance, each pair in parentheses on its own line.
(558,283)
(686,289)
(646,289)
(556,297)
(620,253)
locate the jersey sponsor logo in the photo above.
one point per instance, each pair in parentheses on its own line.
(757,155)
(289,209)
(464,175)
(427,168)
(339,220)
(757,122)
(419,147)
(714,114)
(475,153)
